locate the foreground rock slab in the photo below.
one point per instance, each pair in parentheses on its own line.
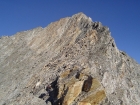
(73,61)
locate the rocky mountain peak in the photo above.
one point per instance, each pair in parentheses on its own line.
(73,61)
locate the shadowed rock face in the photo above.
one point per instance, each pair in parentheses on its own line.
(87,84)
(73,61)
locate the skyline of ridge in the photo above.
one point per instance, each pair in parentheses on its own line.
(121,17)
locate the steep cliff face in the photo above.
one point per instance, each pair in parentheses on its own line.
(73,61)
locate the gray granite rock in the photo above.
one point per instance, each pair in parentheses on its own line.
(44,66)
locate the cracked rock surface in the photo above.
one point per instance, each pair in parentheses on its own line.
(73,61)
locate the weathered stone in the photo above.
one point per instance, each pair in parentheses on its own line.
(95,84)
(73,92)
(65,74)
(83,103)
(68,56)
(87,84)
(96,98)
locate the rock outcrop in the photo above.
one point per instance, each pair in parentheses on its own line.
(73,61)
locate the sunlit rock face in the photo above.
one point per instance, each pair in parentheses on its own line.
(73,61)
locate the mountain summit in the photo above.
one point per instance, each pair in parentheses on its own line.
(73,61)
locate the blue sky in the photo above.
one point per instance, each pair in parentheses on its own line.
(121,16)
